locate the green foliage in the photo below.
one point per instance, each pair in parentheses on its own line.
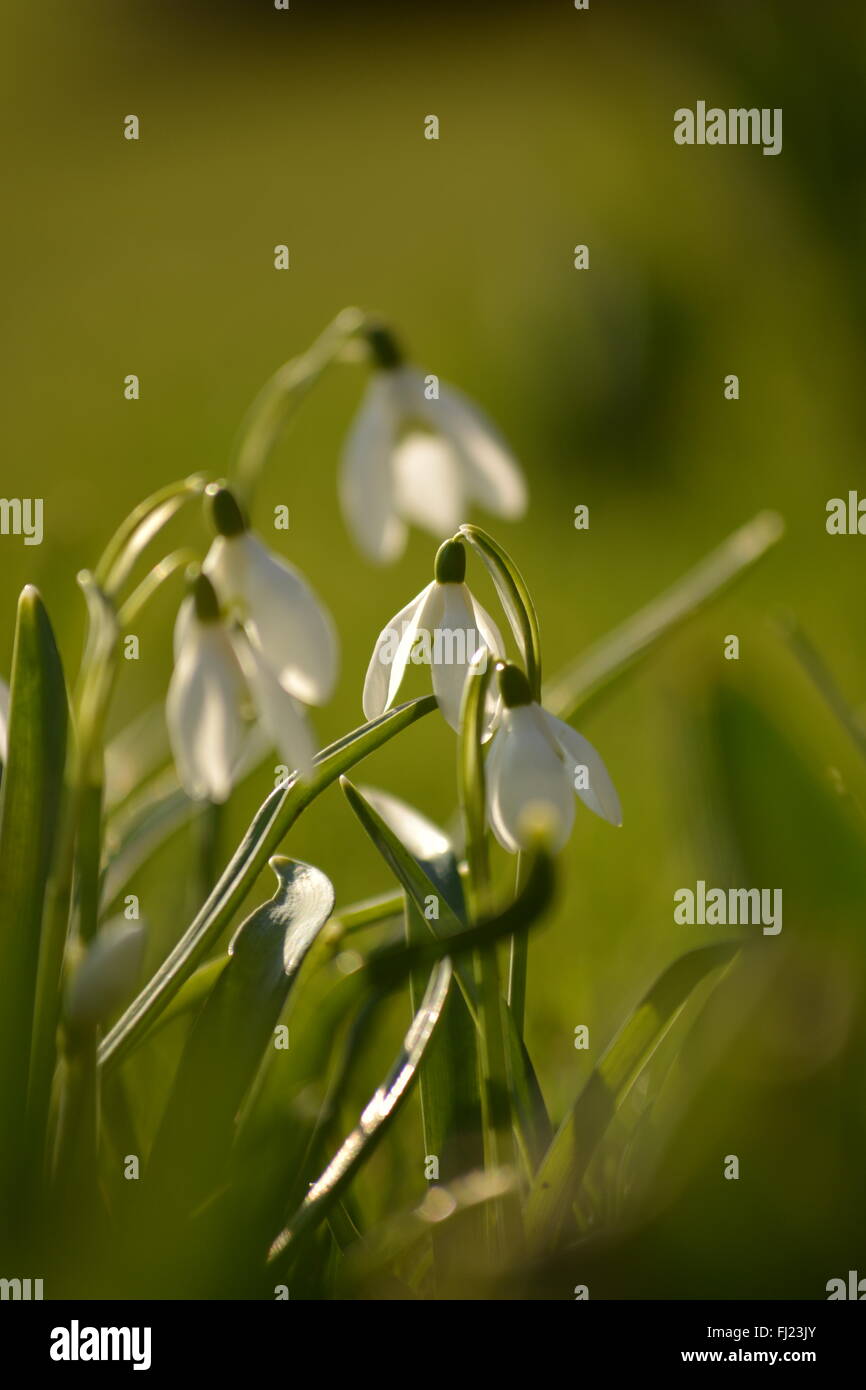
(226,1134)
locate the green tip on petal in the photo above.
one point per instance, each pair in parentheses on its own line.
(226,514)
(203,594)
(450,566)
(386,351)
(513,685)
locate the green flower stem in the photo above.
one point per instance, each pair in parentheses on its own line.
(355,916)
(152,582)
(97,678)
(75,1165)
(581,682)
(516,600)
(209,836)
(141,526)
(504,1226)
(92,699)
(276,403)
(517,965)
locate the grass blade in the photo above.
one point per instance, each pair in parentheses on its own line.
(559,1177)
(581,682)
(422,860)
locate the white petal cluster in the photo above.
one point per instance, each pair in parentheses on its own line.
(280,612)
(253,632)
(535,765)
(443,626)
(412,460)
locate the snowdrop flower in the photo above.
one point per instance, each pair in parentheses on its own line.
(535,765)
(443,625)
(410,459)
(217,672)
(282,616)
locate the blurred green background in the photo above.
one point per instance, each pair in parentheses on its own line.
(156,258)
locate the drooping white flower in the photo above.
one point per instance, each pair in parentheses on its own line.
(203,706)
(217,671)
(444,625)
(413,460)
(535,765)
(294,632)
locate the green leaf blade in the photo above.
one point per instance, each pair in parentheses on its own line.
(268,828)
(565,1162)
(232,1032)
(30,804)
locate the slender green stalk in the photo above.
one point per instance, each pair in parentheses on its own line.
(75,1158)
(356,916)
(584,679)
(504,1227)
(276,403)
(140,597)
(516,600)
(138,529)
(209,827)
(518,959)
(822,678)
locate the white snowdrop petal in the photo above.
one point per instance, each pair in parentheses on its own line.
(279,713)
(491,775)
(428,485)
(600,796)
(225,566)
(366,477)
(293,629)
(528,779)
(454,641)
(491,474)
(185,617)
(488,629)
(203,713)
(390,656)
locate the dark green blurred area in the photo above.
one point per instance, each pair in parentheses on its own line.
(156,258)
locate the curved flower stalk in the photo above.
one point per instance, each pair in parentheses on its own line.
(535,765)
(218,670)
(444,625)
(4,719)
(293,632)
(414,460)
